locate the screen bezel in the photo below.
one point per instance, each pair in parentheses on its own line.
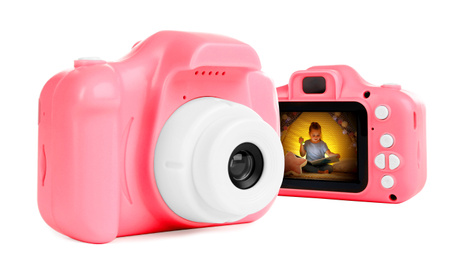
(362,146)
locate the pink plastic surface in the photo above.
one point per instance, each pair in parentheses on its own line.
(406,123)
(99,123)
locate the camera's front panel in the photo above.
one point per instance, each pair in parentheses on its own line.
(325,146)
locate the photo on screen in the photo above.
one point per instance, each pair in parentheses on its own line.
(320,145)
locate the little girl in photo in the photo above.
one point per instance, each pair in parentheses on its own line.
(314,149)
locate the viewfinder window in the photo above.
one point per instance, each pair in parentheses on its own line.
(314,85)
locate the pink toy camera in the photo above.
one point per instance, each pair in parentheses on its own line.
(183,132)
(344,138)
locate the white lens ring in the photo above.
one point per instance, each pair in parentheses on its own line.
(212,177)
(191,161)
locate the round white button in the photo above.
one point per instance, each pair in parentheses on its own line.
(394,161)
(386,140)
(382,112)
(387,181)
(380,161)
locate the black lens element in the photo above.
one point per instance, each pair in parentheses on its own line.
(241,165)
(245,165)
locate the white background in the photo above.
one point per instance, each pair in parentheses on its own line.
(423,45)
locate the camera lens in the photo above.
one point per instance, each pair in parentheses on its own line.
(241,165)
(245,165)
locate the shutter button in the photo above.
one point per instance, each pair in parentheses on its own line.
(87,61)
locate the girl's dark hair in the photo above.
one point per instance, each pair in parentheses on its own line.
(315,126)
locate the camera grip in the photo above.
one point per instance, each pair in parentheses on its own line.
(78,187)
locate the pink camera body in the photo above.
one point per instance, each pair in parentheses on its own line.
(99,124)
(393,135)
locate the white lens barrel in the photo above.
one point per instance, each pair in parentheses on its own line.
(192,155)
